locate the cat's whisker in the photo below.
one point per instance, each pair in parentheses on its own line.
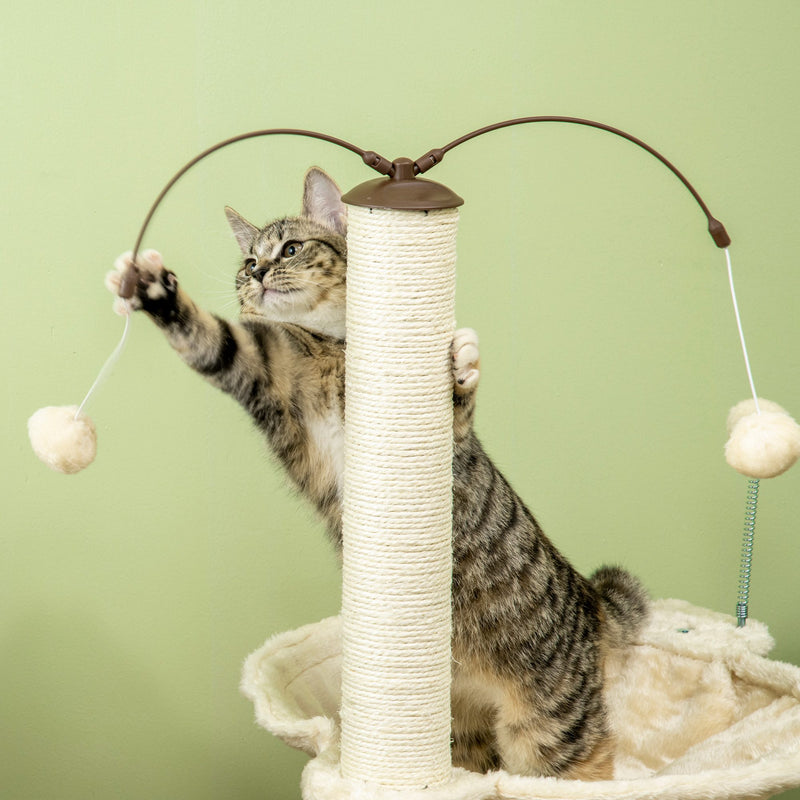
(222,293)
(224,301)
(212,270)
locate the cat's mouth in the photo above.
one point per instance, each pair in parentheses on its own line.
(274,291)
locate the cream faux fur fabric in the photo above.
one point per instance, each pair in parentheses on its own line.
(700,714)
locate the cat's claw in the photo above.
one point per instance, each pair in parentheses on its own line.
(466,360)
(153,280)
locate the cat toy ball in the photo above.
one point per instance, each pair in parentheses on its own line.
(64,437)
(701,712)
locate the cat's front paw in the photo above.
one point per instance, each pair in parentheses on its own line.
(151,286)
(466,361)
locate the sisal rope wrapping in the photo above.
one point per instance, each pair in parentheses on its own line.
(397,556)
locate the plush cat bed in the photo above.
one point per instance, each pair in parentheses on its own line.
(699,712)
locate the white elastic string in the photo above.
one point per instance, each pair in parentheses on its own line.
(741,331)
(110,361)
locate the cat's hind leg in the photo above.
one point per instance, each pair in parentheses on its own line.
(572,742)
(474,718)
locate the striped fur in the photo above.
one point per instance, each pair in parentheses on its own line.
(529,632)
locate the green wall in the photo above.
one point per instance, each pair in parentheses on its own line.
(130,594)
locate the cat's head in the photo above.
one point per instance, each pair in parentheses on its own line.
(294,269)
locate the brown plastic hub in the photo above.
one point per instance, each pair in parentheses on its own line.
(403,191)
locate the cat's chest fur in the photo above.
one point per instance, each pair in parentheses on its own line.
(326,444)
(303,410)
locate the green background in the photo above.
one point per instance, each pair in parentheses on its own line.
(131,593)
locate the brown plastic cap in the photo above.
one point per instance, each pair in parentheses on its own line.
(127,284)
(403,191)
(718,232)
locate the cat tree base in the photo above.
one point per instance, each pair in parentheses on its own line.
(700,714)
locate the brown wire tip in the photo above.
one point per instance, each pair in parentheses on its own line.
(718,233)
(127,285)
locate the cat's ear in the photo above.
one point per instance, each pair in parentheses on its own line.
(322,201)
(244,231)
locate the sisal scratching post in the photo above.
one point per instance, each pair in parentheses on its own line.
(397,560)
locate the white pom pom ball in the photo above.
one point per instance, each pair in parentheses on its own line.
(761,445)
(65,440)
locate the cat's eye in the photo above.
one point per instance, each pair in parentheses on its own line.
(291,249)
(250,265)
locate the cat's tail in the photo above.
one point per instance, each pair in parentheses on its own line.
(625,602)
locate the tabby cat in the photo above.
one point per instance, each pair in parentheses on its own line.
(529,633)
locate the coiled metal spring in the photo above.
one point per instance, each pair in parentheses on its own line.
(751,509)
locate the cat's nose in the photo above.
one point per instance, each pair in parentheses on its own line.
(258,273)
